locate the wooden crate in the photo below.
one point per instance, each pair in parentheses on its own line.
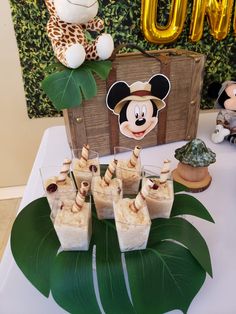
(94,124)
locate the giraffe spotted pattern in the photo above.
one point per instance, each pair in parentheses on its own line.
(64,35)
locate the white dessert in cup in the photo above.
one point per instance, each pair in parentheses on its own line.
(86,166)
(129,171)
(130,176)
(58,187)
(160,198)
(132,228)
(103,196)
(73,222)
(74,229)
(104,190)
(132,220)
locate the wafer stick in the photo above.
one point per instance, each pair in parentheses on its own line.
(84,156)
(165,171)
(134,157)
(106,180)
(141,197)
(51,185)
(64,171)
(80,197)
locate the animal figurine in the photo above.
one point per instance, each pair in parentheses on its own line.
(137,105)
(69,20)
(225,95)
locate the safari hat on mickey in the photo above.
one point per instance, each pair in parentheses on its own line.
(156,89)
(139,91)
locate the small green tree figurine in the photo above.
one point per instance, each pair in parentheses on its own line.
(192,170)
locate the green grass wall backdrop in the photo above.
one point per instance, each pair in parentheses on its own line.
(122,20)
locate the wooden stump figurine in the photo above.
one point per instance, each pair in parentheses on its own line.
(192,170)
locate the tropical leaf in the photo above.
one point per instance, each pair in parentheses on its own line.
(180,230)
(34,244)
(178,187)
(84,78)
(62,89)
(83,282)
(185,204)
(111,281)
(67,88)
(101,68)
(72,282)
(163,277)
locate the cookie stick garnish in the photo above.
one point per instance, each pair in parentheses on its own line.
(106,180)
(51,185)
(139,201)
(84,156)
(134,157)
(80,197)
(165,171)
(61,179)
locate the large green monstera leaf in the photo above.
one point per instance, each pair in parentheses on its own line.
(165,276)
(66,88)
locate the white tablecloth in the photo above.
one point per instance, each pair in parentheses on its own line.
(217,296)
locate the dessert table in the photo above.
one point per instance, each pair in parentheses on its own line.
(217,295)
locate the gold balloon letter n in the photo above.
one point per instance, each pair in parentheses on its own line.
(218,14)
(162,34)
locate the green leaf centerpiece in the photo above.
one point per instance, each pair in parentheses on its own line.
(165,276)
(66,88)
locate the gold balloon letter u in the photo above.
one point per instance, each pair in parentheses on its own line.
(162,34)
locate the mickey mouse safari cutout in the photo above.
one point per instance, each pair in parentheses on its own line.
(137,105)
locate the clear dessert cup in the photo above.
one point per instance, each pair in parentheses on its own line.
(74,229)
(103,196)
(161,195)
(85,173)
(130,176)
(133,228)
(57,190)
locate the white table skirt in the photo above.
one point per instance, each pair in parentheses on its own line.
(217,296)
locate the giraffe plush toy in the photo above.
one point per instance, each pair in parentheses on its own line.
(68,21)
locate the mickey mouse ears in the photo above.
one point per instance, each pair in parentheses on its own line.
(156,89)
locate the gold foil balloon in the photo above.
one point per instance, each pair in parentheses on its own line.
(162,34)
(218,15)
(235,21)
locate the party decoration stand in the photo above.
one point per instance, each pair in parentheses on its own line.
(172,268)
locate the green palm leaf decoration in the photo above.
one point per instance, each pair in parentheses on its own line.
(36,246)
(72,282)
(66,88)
(160,278)
(165,276)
